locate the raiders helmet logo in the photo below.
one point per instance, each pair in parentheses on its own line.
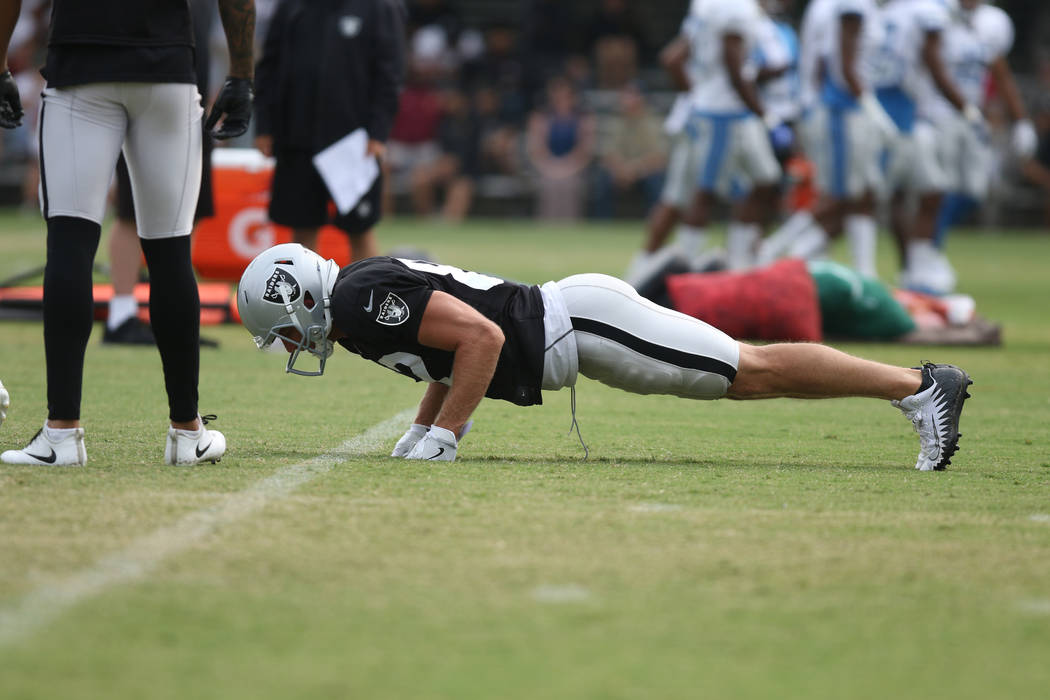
(281,286)
(393,311)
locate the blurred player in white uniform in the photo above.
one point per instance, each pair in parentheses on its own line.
(729,123)
(843,132)
(723,133)
(915,85)
(775,59)
(679,178)
(975,48)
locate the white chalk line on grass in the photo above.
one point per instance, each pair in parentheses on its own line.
(47,603)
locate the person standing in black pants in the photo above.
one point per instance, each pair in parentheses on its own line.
(120,76)
(328,67)
(123,326)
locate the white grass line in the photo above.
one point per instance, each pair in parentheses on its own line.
(48,602)
(562,593)
(654,508)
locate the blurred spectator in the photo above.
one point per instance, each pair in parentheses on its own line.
(498,68)
(1037,169)
(633,154)
(616,40)
(551,34)
(435,13)
(560,145)
(500,130)
(413,142)
(457,168)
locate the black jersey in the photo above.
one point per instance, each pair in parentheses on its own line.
(149,41)
(379,303)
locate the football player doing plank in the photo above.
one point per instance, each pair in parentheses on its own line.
(471,336)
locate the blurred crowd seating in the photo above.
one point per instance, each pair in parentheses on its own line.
(519,107)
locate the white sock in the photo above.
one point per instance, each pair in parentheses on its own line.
(862,235)
(58,434)
(919,253)
(691,239)
(811,243)
(121,308)
(741,240)
(778,243)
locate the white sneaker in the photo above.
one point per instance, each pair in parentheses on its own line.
(187,447)
(928,270)
(5,401)
(42,450)
(934,410)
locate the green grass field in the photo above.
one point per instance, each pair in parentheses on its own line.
(778,549)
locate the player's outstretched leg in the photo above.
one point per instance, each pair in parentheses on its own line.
(934,410)
(931,396)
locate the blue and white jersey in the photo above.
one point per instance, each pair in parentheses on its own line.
(971,44)
(902,82)
(834,92)
(814,25)
(706,25)
(777,48)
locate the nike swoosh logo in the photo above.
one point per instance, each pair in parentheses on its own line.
(46,460)
(441,451)
(199,451)
(369,307)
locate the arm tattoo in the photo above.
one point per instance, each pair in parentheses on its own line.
(238,21)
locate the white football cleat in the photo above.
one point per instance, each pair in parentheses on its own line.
(934,410)
(5,401)
(188,447)
(67,451)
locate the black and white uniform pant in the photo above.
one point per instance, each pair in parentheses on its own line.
(600,326)
(158,126)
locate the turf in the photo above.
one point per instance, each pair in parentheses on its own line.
(774,549)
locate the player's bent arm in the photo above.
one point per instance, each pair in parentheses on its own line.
(9,11)
(851,26)
(931,58)
(430,406)
(452,325)
(733,55)
(1004,79)
(238,22)
(673,58)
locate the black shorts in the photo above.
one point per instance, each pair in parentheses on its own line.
(300,199)
(125,204)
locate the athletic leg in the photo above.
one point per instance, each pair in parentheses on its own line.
(81,130)
(165,129)
(630,343)
(811,371)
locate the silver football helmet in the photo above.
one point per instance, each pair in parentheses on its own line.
(289,287)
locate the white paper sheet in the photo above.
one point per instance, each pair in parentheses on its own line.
(346,170)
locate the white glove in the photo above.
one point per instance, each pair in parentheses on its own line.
(972,114)
(1024,139)
(438,445)
(409,440)
(878,117)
